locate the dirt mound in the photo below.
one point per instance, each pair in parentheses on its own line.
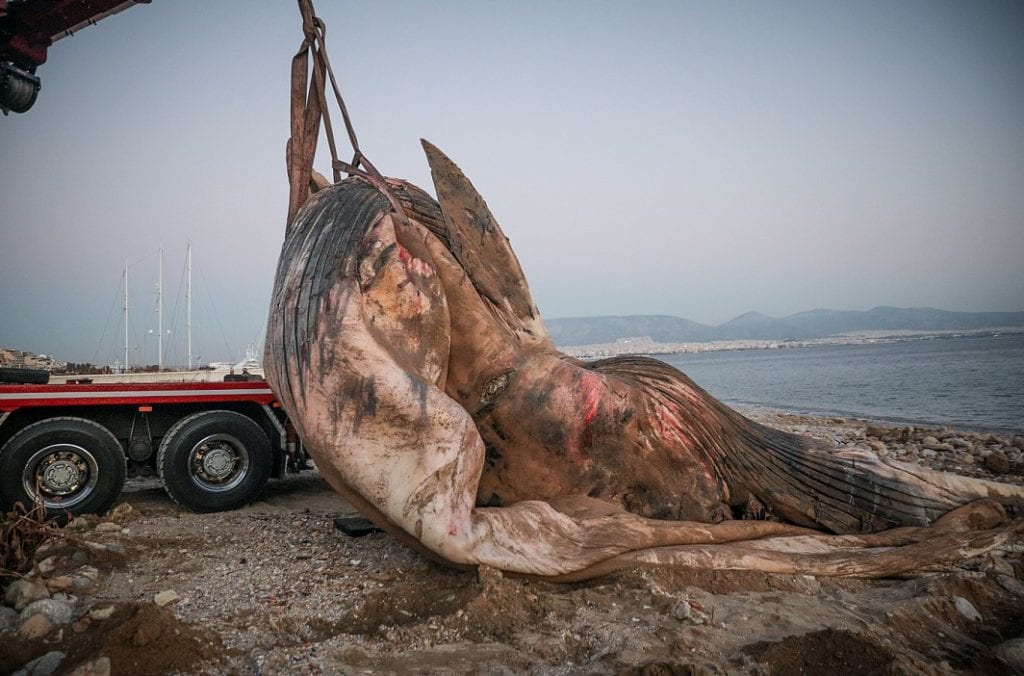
(467,605)
(138,639)
(147,639)
(828,651)
(407,602)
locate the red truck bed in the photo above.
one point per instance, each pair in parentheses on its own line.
(13,397)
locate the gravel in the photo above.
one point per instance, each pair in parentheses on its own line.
(276,588)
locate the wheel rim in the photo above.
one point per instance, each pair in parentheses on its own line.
(218,463)
(60,476)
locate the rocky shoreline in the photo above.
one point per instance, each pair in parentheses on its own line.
(986,455)
(276,588)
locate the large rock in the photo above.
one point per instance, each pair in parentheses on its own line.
(876,431)
(997,462)
(43,665)
(57,612)
(1012,653)
(23,592)
(35,627)
(8,619)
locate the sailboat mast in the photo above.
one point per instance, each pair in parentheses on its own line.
(126,315)
(188,304)
(160,313)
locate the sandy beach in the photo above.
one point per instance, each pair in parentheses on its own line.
(276,588)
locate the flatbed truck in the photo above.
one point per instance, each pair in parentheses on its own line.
(70,447)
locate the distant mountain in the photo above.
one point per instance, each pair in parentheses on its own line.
(662,328)
(756,326)
(747,325)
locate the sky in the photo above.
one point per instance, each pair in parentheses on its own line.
(698,159)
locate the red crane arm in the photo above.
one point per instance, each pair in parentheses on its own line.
(29,27)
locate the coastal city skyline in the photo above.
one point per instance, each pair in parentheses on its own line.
(686,159)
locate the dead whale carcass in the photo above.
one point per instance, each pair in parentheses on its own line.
(405,345)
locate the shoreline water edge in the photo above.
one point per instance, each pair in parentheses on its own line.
(647,346)
(965,381)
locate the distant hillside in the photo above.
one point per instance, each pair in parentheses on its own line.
(662,328)
(756,326)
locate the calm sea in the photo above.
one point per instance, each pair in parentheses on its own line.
(973,382)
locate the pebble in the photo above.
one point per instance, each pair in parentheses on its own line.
(20,593)
(878,446)
(47,565)
(35,627)
(79,523)
(60,583)
(8,618)
(966,608)
(685,612)
(89,572)
(1011,652)
(98,667)
(1011,584)
(57,612)
(997,564)
(876,431)
(166,598)
(101,613)
(42,550)
(122,513)
(928,453)
(43,665)
(108,527)
(929,442)
(997,462)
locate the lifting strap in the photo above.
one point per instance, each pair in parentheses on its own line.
(308,108)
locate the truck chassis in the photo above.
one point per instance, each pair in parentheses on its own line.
(70,447)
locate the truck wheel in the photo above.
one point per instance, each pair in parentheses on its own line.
(22,376)
(214,461)
(68,464)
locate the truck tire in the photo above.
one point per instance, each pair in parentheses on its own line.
(22,376)
(214,461)
(70,465)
